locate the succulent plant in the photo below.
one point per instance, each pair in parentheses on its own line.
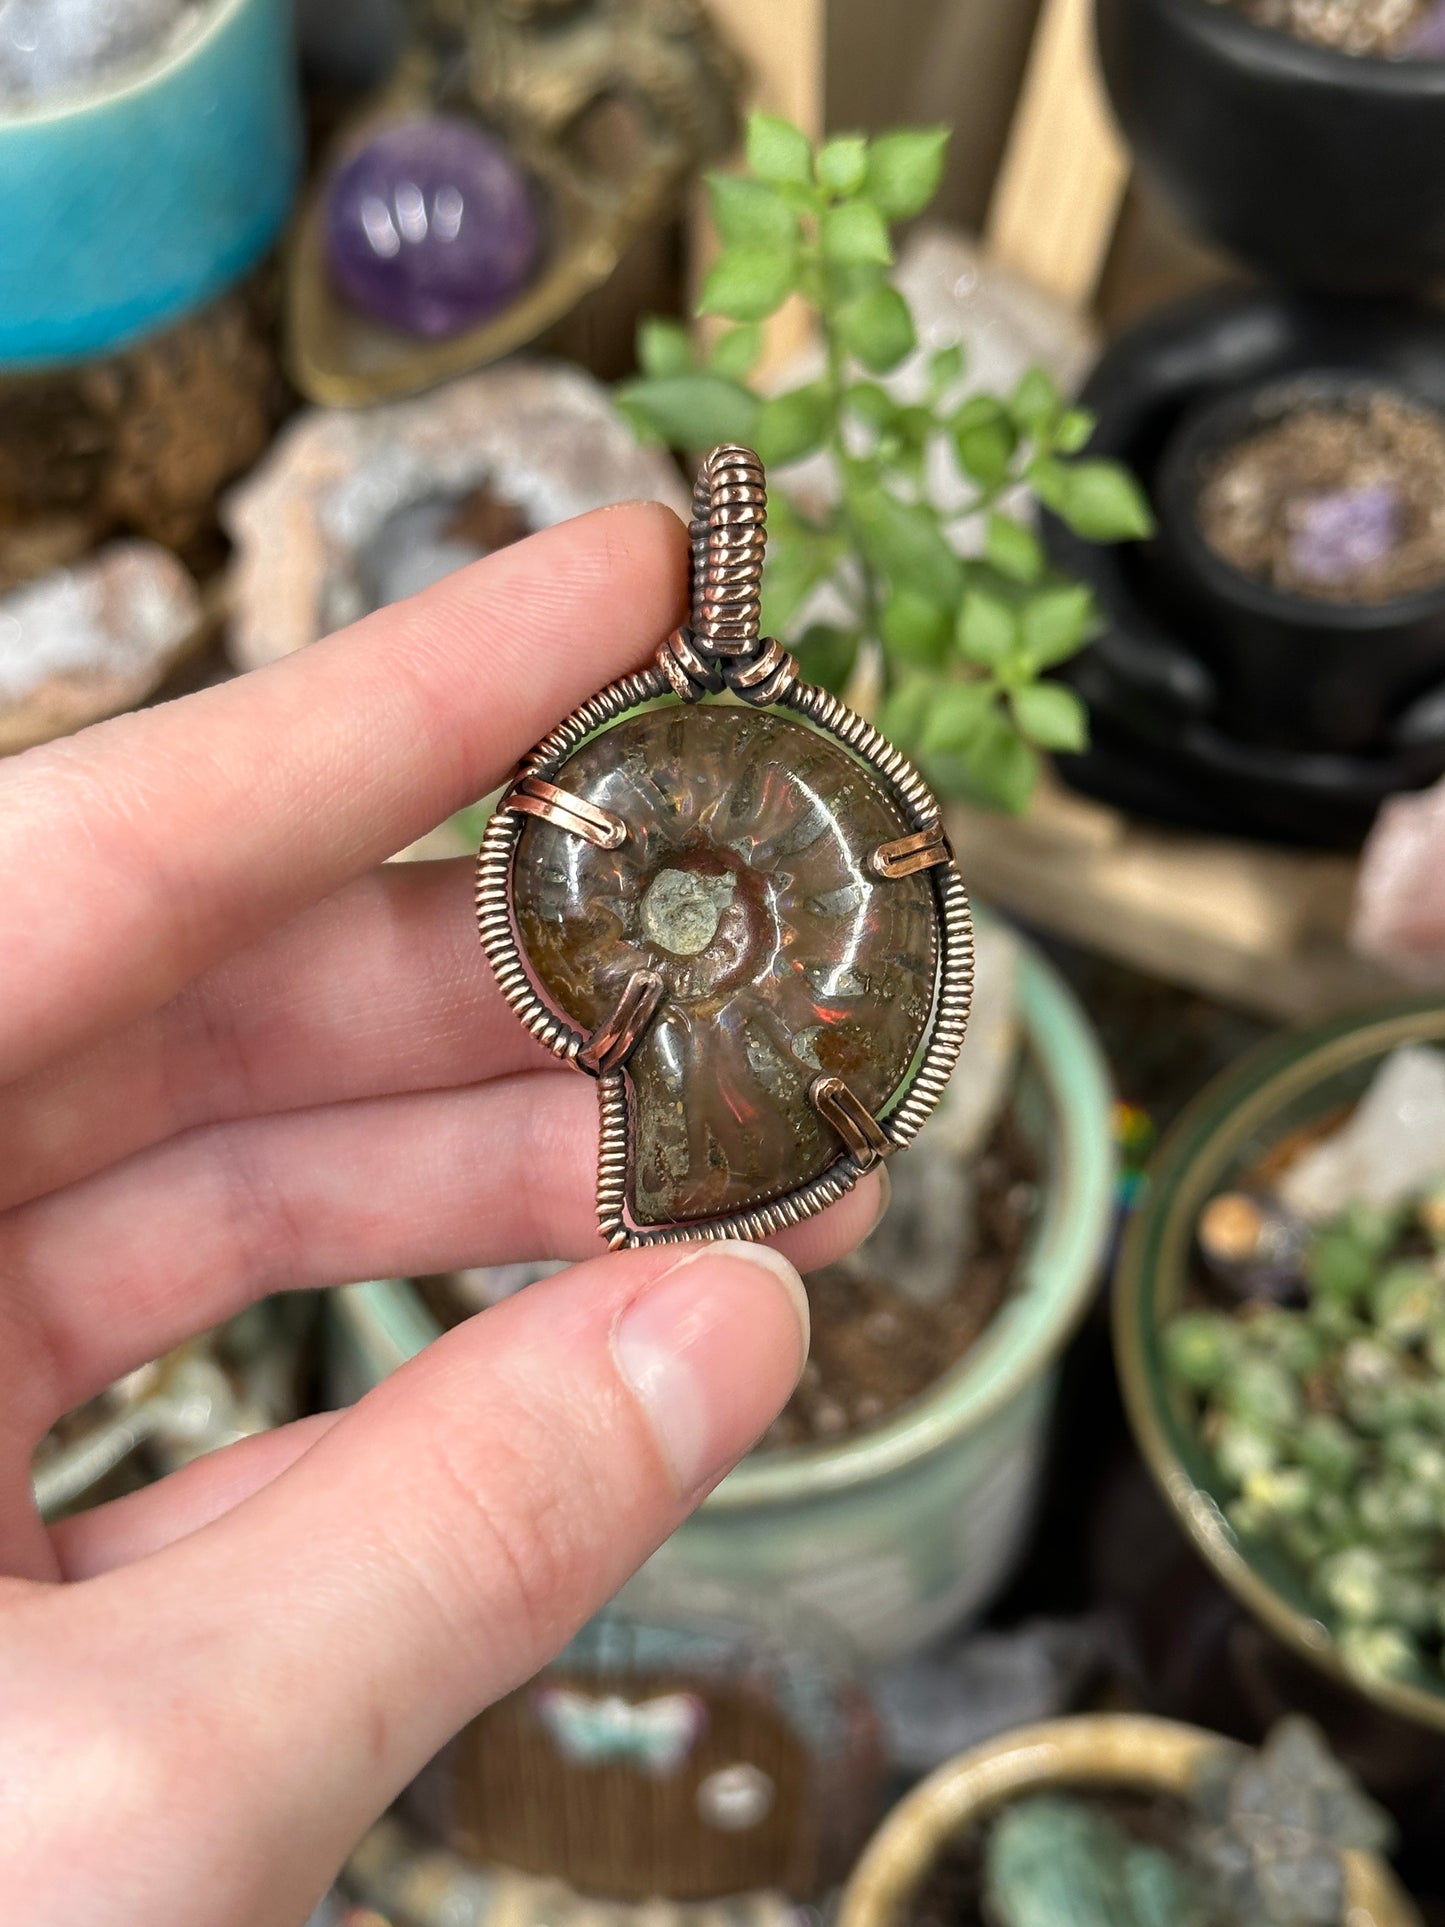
(1260,1848)
(1270,1827)
(1326,1422)
(963,639)
(1055,1861)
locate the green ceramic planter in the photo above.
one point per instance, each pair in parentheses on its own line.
(904,1530)
(1285,1084)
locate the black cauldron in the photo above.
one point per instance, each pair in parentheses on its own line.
(1318,168)
(1202,713)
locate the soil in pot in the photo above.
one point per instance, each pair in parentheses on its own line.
(1340,500)
(875,1347)
(1384,29)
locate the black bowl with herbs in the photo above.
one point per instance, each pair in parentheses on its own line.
(1302,526)
(1317,166)
(1197,718)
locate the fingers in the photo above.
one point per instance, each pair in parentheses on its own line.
(145,1522)
(425,1555)
(120,1268)
(174,835)
(381,988)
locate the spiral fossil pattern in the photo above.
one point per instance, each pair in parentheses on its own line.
(738,938)
(744,883)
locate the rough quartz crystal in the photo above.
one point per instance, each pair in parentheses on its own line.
(744,882)
(430,227)
(56,47)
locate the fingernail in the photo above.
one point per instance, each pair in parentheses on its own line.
(712,1351)
(885,1197)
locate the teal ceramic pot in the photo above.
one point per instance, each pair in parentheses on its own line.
(902,1531)
(130,206)
(1287,1084)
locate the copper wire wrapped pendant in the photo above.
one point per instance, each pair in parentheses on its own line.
(742,917)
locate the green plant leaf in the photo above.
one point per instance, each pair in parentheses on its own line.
(1035,404)
(749,284)
(1074,430)
(798,560)
(793,425)
(903,541)
(1002,768)
(777,151)
(689,411)
(959,714)
(984,440)
(904,170)
(1056,623)
(988,630)
(735,351)
(1013,550)
(663,347)
(1051,716)
(1101,501)
(878,329)
(841,164)
(750,214)
(915,630)
(946,367)
(872,405)
(855,235)
(907,708)
(826,655)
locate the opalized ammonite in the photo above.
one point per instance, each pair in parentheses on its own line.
(747,924)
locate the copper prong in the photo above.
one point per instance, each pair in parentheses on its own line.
(906,854)
(850,1117)
(615,1038)
(533,796)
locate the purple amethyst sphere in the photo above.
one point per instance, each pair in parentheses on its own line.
(430,227)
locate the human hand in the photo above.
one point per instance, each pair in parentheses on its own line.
(236,1057)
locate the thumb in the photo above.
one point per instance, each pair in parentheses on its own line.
(432,1550)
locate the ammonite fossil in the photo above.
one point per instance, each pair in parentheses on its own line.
(741,916)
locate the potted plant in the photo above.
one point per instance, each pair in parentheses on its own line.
(1237,695)
(1315,165)
(1131,1822)
(1289,1238)
(1301,522)
(913,574)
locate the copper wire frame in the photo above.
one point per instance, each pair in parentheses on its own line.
(727,563)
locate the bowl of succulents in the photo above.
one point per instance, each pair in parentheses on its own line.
(1280,1333)
(1119,1821)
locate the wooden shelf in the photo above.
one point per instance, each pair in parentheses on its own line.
(1262,928)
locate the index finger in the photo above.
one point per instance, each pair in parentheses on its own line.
(136,854)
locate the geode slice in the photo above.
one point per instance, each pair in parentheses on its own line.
(744,882)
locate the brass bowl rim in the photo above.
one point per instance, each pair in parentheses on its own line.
(1193,1152)
(1101,1749)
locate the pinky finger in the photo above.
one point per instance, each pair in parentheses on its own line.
(127,1529)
